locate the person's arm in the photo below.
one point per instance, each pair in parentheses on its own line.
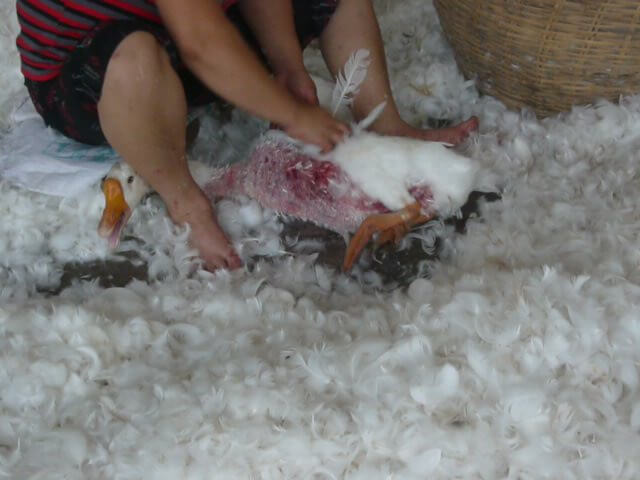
(273,25)
(215,52)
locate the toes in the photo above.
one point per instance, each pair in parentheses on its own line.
(459,133)
(234,261)
(213,265)
(466,128)
(470,125)
(228,261)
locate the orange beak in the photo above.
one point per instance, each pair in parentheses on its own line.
(116,212)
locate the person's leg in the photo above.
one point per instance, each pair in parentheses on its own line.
(143,115)
(354,26)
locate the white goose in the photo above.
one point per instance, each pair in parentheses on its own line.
(123,190)
(385,168)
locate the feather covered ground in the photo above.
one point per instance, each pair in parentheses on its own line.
(518,358)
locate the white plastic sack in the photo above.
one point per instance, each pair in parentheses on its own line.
(41,159)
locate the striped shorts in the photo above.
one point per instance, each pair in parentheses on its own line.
(68,103)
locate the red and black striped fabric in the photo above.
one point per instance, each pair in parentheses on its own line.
(51,29)
(68,102)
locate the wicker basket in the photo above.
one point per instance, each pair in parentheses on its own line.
(546,54)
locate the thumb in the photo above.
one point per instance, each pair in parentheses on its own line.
(310,95)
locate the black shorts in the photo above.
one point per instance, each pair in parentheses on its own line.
(68,103)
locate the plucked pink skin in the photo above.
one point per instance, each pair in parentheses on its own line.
(279,177)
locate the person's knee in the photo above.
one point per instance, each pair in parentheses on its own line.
(138,60)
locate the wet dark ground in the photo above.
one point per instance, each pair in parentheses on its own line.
(395,266)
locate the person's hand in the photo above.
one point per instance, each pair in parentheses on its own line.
(313,124)
(299,83)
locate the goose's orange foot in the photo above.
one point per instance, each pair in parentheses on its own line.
(389,227)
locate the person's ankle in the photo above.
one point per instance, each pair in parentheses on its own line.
(394,130)
(192,205)
(391,127)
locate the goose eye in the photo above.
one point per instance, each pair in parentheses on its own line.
(130,179)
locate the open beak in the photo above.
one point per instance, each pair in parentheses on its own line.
(116,212)
(388,226)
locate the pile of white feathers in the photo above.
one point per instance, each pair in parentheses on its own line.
(518,358)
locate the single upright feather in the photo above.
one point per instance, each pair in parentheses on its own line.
(350,78)
(366,122)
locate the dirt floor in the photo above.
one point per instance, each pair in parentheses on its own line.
(397,267)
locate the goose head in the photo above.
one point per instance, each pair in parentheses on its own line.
(123,190)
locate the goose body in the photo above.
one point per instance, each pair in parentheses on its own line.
(340,192)
(369,182)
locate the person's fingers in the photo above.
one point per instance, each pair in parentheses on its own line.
(337,138)
(326,146)
(311,98)
(312,94)
(341,130)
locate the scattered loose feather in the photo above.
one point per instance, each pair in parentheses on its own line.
(350,79)
(517,358)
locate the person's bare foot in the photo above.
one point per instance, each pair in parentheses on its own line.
(454,135)
(215,249)
(206,235)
